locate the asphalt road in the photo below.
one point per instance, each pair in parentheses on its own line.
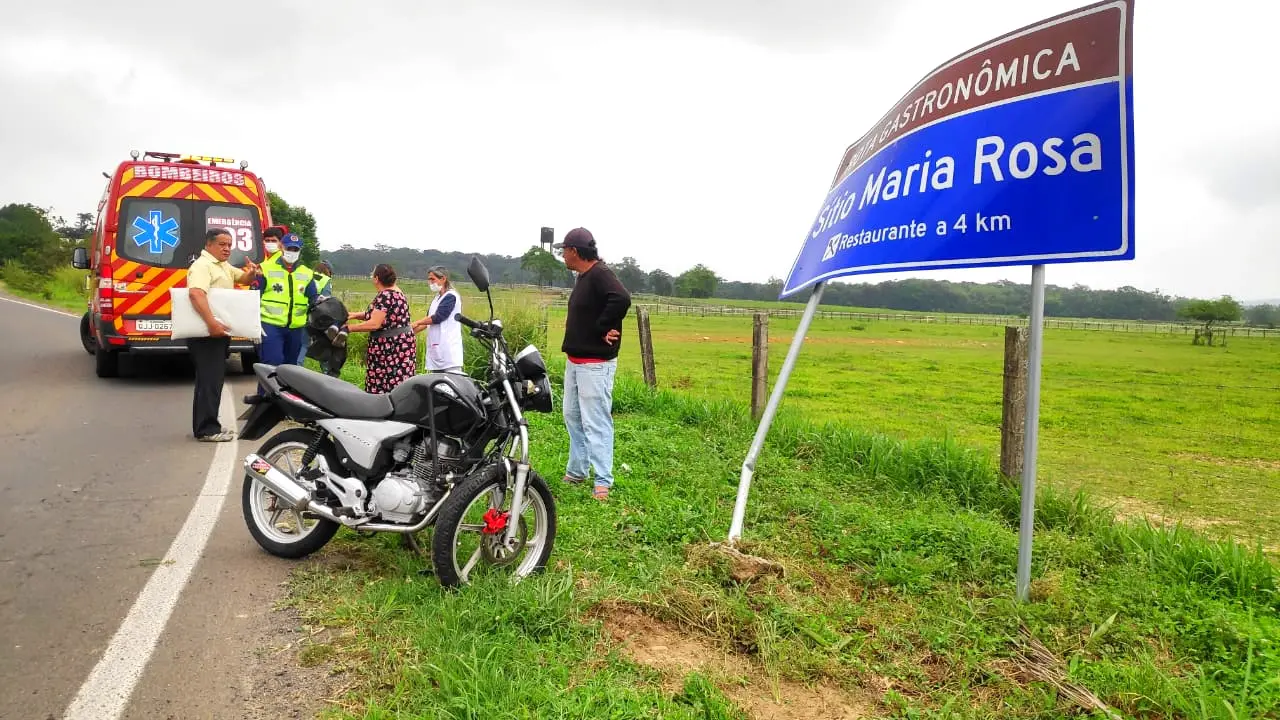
(98,478)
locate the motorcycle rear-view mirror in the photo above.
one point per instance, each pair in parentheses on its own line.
(479,274)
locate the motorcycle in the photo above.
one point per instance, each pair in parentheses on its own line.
(441,449)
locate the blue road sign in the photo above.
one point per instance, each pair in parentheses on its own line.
(1017,152)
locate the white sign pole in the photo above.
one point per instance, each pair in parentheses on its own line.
(775,397)
(1035,350)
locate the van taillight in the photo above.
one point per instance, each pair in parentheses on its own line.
(106,300)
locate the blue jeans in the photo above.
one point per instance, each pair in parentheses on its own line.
(280,346)
(588,416)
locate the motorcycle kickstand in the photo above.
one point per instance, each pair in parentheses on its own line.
(409,541)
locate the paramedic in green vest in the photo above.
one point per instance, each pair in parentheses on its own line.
(288,288)
(324,279)
(270,248)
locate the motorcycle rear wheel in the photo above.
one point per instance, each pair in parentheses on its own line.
(461,548)
(285,533)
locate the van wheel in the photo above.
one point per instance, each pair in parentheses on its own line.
(108,363)
(86,334)
(247,359)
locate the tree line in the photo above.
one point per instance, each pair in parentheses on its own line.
(34,242)
(537,266)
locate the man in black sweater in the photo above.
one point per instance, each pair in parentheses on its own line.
(592,337)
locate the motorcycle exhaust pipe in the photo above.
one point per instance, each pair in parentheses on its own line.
(294,495)
(286,488)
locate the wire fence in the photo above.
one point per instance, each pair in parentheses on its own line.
(1128,326)
(557,299)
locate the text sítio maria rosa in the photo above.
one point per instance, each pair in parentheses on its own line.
(994,161)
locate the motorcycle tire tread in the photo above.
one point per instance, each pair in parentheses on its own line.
(325,529)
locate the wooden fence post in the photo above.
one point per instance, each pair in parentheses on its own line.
(646,348)
(1013,419)
(759,364)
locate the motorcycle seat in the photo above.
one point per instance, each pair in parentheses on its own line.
(337,396)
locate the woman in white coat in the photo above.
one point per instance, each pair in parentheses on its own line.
(444,333)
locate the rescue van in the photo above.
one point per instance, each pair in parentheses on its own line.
(152,220)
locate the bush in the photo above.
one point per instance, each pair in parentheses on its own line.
(22,280)
(67,287)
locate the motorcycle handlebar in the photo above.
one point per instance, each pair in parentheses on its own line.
(478,329)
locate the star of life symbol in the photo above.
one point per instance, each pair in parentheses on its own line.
(156,232)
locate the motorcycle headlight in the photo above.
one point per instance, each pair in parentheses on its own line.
(536,395)
(529,364)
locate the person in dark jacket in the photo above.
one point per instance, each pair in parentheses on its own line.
(592,338)
(323,346)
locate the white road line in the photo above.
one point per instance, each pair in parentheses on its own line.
(105,695)
(38,307)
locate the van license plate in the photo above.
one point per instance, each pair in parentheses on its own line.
(153,325)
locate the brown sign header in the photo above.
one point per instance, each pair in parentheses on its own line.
(1083,46)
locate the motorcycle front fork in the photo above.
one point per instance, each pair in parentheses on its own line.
(517,504)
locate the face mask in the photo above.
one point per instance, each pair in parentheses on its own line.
(435,287)
(291,256)
(271,247)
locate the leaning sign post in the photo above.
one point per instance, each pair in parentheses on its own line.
(1017,152)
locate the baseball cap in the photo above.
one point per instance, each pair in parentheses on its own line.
(577,238)
(292,241)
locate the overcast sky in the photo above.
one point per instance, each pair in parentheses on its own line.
(677,131)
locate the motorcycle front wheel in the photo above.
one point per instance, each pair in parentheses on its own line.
(468,537)
(282,531)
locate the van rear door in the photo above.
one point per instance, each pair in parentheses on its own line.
(155,244)
(159,239)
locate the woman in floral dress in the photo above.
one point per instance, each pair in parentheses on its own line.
(393,351)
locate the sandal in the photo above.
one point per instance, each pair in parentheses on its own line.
(574,479)
(223,436)
(601,493)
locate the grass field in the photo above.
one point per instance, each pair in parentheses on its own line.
(1150,421)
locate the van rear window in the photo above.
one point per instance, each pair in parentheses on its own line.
(239,220)
(152,232)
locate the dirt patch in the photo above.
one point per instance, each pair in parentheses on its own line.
(288,676)
(675,652)
(1251,463)
(741,568)
(1131,508)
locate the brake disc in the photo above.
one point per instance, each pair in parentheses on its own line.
(494,550)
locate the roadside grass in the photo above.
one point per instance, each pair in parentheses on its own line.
(1147,422)
(63,289)
(896,600)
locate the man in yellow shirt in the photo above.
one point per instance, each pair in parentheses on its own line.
(209,354)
